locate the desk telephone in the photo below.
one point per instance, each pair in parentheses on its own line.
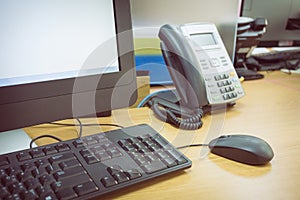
(201,70)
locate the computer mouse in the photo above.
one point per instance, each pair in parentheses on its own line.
(245,149)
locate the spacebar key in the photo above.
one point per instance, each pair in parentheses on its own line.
(154,166)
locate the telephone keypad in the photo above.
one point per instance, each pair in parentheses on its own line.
(227,86)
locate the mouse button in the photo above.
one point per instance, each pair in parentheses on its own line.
(224,136)
(265,150)
(218,140)
(215,142)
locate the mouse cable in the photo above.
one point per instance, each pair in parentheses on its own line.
(192,145)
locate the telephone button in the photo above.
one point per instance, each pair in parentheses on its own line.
(227,89)
(226,97)
(225,76)
(228,82)
(237,86)
(214,62)
(220,84)
(216,98)
(217,78)
(208,79)
(213,92)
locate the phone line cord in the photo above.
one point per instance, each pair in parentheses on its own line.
(190,123)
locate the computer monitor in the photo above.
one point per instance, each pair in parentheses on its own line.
(63,59)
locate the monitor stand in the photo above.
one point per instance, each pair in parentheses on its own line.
(13,141)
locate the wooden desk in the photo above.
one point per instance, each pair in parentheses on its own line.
(270,110)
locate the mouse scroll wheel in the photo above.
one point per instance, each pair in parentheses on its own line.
(224,136)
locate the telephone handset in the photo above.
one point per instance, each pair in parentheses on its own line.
(201,71)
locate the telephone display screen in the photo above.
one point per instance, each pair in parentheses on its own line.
(203,39)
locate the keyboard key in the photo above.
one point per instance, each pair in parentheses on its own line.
(48,150)
(91,159)
(85,188)
(78,143)
(22,156)
(120,177)
(154,167)
(102,156)
(61,157)
(114,169)
(29,194)
(35,153)
(48,196)
(46,179)
(4,193)
(69,182)
(177,156)
(114,153)
(43,190)
(57,185)
(86,152)
(170,162)
(68,172)
(161,142)
(90,140)
(3,161)
(66,193)
(69,164)
(16,188)
(108,181)
(31,183)
(62,147)
(133,174)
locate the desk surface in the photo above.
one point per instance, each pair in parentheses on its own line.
(270,110)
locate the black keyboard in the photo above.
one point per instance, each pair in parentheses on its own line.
(89,166)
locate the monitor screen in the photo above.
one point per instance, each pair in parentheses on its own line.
(52,39)
(64,59)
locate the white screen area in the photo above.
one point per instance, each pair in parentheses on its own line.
(204,39)
(52,39)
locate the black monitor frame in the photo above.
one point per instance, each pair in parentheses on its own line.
(95,95)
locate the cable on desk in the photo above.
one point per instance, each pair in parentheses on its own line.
(191,122)
(192,145)
(80,127)
(43,136)
(65,124)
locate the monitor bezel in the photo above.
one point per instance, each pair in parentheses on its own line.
(16,100)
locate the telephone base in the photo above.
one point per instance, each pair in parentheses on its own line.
(170,99)
(166,106)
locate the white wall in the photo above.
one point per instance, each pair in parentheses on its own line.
(154,13)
